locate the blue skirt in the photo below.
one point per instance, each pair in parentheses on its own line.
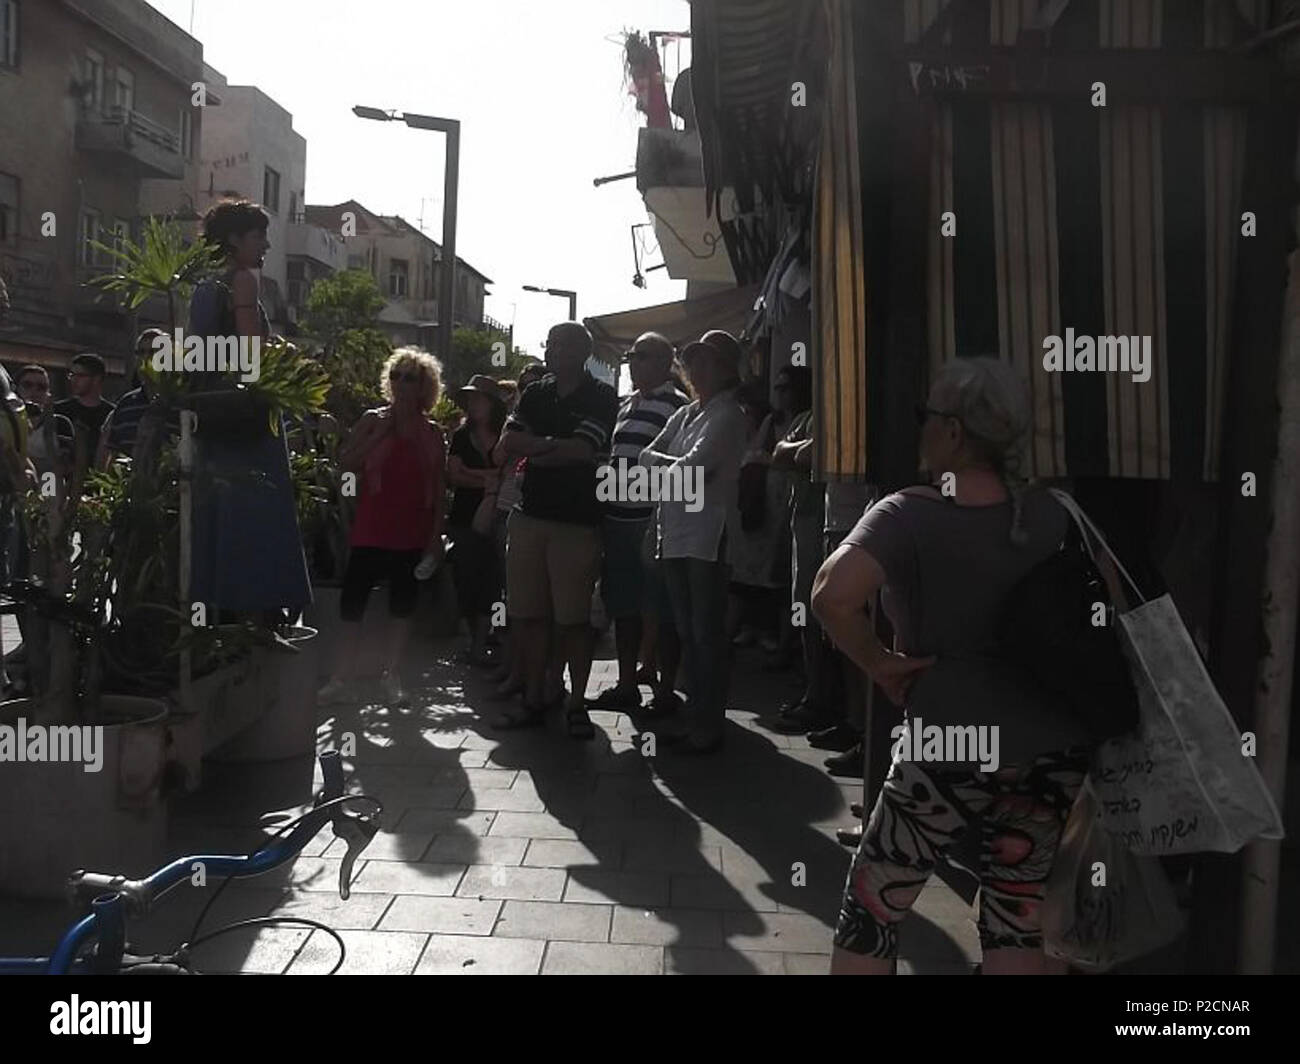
(247,547)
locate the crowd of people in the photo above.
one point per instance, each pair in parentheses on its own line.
(764,553)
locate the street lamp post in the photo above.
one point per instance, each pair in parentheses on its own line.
(451,186)
(572,297)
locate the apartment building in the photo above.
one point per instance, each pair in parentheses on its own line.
(405,264)
(97,129)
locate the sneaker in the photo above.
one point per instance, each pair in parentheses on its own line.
(393,689)
(334,691)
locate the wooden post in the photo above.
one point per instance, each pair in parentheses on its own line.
(186,456)
(1262,859)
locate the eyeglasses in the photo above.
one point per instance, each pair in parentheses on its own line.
(398,375)
(923,413)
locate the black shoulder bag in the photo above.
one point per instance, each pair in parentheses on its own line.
(1046,628)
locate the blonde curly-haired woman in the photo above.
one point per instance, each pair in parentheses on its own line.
(399,456)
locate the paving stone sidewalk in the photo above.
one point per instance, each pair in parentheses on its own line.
(528,852)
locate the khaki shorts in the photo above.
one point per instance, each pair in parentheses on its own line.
(551,569)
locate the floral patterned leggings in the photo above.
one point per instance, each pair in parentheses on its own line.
(923,810)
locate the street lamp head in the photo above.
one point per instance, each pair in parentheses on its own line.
(533,288)
(375,113)
(446,125)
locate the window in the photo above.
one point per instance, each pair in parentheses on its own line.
(185,132)
(8,209)
(9,33)
(271,190)
(356,262)
(92,74)
(123,89)
(398,271)
(120,234)
(90,231)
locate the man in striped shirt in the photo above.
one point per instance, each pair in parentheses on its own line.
(629,582)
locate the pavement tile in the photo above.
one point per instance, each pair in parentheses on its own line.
(565,853)
(531,826)
(367,953)
(642,832)
(595,886)
(780,932)
(505,881)
(482,779)
(264,950)
(672,859)
(512,800)
(687,960)
(808,964)
(472,955)
(715,892)
(400,877)
(453,916)
(575,958)
(444,821)
(474,849)
(554,920)
(361,912)
(388,846)
(666,926)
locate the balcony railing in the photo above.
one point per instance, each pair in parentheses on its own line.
(154,149)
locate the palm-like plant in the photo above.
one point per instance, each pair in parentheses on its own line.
(163,263)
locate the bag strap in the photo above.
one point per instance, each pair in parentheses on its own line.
(1086,528)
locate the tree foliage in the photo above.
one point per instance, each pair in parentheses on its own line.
(342,315)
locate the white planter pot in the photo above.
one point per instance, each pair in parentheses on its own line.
(58,818)
(188,730)
(287,727)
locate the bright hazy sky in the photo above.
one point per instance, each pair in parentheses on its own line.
(538,89)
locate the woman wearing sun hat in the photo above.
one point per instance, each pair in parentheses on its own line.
(476,478)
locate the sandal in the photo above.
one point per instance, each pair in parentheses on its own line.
(578,723)
(517,720)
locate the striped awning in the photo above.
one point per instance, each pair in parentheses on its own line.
(1121,220)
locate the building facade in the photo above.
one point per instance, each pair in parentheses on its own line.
(97,129)
(406,266)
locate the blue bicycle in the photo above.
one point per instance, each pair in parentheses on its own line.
(97,943)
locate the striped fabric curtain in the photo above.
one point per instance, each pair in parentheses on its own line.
(1115,221)
(839,295)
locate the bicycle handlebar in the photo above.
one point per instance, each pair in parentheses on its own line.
(114,897)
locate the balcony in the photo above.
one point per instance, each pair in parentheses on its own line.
(151,149)
(316,243)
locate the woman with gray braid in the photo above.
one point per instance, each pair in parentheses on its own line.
(979,747)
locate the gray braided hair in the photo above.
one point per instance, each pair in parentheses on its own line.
(992,402)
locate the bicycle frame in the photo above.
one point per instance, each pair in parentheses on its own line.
(114,898)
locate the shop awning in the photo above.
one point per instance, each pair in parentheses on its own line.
(679,322)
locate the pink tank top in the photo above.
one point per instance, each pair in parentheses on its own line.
(395,510)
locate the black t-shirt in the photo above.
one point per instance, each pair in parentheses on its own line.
(565,493)
(85,419)
(465,500)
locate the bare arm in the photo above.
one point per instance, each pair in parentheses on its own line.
(244,290)
(520,443)
(844,588)
(574,451)
(362,440)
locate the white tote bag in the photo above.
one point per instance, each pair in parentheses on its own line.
(1104,905)
(1180,783)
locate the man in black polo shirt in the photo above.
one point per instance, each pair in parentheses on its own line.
(561,425)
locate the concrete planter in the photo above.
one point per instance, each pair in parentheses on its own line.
(188,730)
(287,689)
(58,818)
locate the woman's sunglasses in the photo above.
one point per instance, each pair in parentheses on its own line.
(923,413)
